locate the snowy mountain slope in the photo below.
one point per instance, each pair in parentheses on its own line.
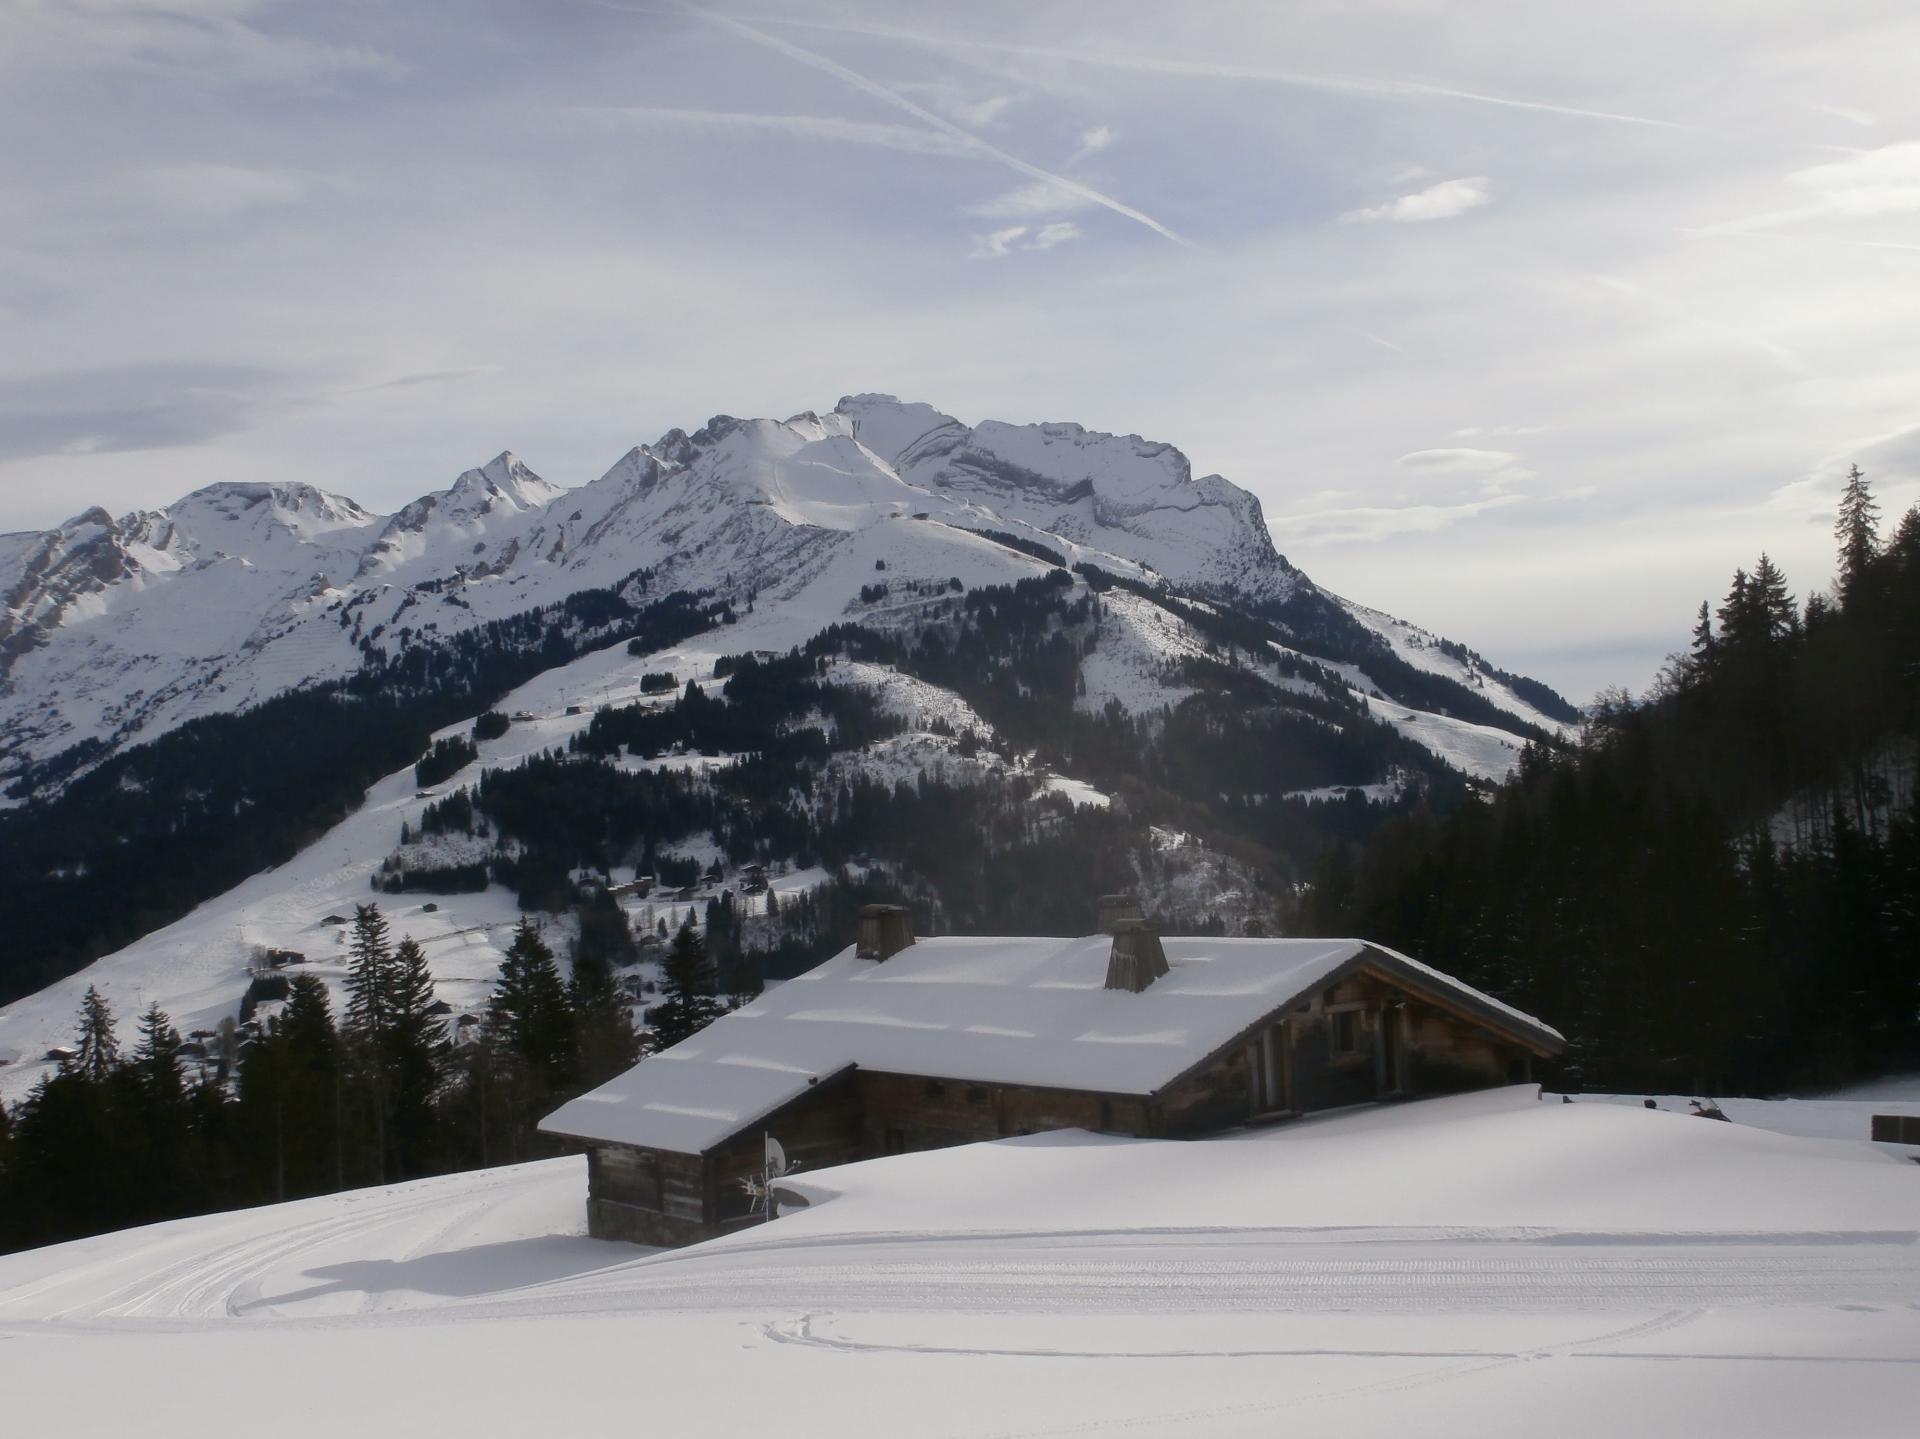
(1484,751)
(126,628)
(1598,1270)
(116,630)
(1427,651)
(196,967)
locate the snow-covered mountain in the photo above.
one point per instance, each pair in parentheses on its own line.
(891,518)
(117,630)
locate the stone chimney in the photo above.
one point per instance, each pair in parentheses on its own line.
(1115,908)
(885,930)
(1137,959)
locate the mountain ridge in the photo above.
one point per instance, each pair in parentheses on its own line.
(117,629)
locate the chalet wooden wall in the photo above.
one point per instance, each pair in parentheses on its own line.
(646,1196)
(1404,1044)
(818,1130)
(1217,1097)
(903,1112)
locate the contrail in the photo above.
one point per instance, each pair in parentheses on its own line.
(938,122)
(1221,70)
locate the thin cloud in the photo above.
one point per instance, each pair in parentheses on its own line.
(1720,234)
(1457,460)
(894,98)
(1868,184)
(1845,112)
(134,407)
(1092,142)
(998,244)
(1437,202)
(207,39)
(1474,432)
(1365,524)
(1042,197)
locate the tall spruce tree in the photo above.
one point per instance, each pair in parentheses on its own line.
(1857,528)
(156,1060)
(1701,650)
(97,1048)
(164,1138)
(687,984)
(1774,610)
(529,1015)
(411,1050)
(603,1022)
(368,1023)
(292,1100)
(369,973)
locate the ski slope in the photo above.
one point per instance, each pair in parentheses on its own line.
(1434,1268)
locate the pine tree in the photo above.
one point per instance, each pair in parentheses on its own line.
(1773,607)
(369,974)
(1857,528)
(291,1099)
(687,983)
(1737,627)
(410,1051)
(160,1141)
(98,1048)
(603,1023)
(156,1061)
(1702,650)
(528,1013)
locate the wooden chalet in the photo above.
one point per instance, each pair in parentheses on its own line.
(897,1045)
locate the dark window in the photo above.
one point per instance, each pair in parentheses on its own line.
(976,1094)
(1343,1032)
(935,1089)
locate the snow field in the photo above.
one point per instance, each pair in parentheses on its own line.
(1440,1267)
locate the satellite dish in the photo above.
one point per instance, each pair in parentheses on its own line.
(776,1158)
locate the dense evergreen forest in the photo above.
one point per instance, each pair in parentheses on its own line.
(314,1102)
(1717,888)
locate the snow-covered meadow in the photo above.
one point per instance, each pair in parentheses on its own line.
(1439,1267)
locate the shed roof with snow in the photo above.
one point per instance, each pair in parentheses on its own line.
(1005,1011)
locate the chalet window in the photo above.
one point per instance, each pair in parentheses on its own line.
(935,1089)
(976,1094)
(1343,1032)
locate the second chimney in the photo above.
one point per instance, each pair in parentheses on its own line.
(1117,908)
(885,930)
(1137,959)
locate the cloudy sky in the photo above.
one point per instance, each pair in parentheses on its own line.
(1525,321)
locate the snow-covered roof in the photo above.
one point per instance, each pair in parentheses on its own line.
(1002,1011)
